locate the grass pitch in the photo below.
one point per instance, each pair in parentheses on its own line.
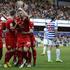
(42,63)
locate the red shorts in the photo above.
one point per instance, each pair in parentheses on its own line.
(23,41)
(10,41)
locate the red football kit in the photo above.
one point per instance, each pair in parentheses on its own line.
(10,37)
(23,40)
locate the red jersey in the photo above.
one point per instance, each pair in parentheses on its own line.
(10,34)
(9,25)
(8,22)
(17,20)
(23,39)
(25,25)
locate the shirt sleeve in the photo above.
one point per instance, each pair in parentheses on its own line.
(56,25)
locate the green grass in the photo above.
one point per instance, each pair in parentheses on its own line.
(42,63)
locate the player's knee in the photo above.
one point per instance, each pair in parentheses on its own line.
(26,49)
(28,44)
(19,49)
(8,47)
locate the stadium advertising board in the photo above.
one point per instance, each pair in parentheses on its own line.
(41,22)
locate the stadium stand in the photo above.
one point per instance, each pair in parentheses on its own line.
(38,9)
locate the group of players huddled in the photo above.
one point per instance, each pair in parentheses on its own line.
(19,39)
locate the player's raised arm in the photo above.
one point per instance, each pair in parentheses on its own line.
(24,13)
(5,16)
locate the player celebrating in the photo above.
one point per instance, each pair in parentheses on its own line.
(23,38)
(32,39)
(10,39)
(28,33)
(51,37)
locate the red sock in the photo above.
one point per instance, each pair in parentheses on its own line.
(25,54)
(34,56)
(8,56)
(29,56)
(20,59)
(15,56)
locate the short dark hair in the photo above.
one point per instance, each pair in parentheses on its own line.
(12,12)
(53,18)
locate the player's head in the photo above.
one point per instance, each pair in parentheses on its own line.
(52,18)
(12,13)
(20,13)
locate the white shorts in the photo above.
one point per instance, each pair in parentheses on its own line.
(45,41)
(51,42)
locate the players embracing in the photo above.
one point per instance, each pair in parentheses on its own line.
(19,39)
(25,40)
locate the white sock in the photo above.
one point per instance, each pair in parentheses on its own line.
(57,54)
(44,49)
(49,55)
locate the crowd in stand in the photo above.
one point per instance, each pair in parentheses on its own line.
(39,9)
(62,41)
